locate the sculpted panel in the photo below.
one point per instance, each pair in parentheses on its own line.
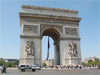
(71,31)
(72,47)
(30,48)
(30,29)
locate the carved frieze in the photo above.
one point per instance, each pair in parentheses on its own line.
(71,31)
(47,21)
(30,29)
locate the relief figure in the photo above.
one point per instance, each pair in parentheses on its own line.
(72,47)
(29,48)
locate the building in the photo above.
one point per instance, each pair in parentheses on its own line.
(62,25)
(11,60)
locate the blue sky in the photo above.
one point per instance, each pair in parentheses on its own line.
(10,27)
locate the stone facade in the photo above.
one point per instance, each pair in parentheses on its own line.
(60,24)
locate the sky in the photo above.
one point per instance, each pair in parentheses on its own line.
(89,27)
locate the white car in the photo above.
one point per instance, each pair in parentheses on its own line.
(26,67)
(36,67)
(1,68)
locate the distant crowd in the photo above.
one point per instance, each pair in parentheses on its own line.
(71,67)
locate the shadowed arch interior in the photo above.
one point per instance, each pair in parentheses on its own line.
(52,33)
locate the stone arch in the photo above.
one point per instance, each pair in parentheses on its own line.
(55,35)
(60,24)
(58,29)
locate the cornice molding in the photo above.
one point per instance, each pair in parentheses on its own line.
(49,8)
(74,58)
(69,38)
(21,14)
(28,36)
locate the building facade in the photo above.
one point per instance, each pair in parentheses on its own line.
(60,24)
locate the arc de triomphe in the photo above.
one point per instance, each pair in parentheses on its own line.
(60,24)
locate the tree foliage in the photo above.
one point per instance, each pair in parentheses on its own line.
(91,62)
(8,64)
(2,62)
(44,64)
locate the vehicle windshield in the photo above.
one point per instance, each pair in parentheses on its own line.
(33,66)
(22,66)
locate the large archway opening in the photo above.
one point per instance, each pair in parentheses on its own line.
(54,42)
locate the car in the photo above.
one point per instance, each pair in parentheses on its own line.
(21,66)
(26,67)
(1,68)
(36,67)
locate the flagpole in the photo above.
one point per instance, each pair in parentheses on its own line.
(48,49)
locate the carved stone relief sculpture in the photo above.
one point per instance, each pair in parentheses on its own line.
(71,31)
(30,28)
(72,47)
(29,48)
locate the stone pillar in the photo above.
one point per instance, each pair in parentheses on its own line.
(24,59)
(38,52)
(30,48)
(61,44)
(30,60)
(65,59)
(58,54)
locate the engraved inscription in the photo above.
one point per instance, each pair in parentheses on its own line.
(30,29)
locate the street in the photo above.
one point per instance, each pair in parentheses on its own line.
(55,72)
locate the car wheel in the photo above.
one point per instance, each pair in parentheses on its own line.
(33,70)
(22,70)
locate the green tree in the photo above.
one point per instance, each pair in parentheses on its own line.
(16,63)
(97,62)
(91,62)
(2,62)
(44,64)
(10,64)
(85,64)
